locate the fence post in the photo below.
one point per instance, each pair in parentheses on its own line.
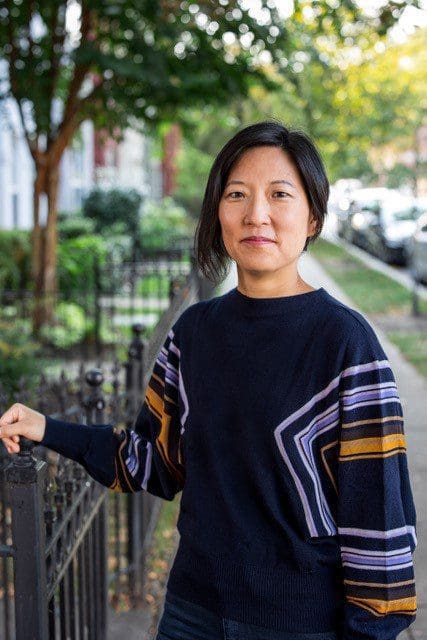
(6,568)
(135,371)
(95,405)
(134,389)
(97,308)
(25,479)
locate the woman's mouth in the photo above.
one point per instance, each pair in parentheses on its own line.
(257,240)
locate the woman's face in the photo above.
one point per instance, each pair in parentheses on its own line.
(264,196)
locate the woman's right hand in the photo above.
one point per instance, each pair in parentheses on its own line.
(20,420)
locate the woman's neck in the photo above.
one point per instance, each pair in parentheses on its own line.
(264,289)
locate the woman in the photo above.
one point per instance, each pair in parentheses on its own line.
(274,409)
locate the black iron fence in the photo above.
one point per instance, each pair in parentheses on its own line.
(94,313)
(69,548)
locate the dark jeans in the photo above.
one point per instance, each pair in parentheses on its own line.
(182,620)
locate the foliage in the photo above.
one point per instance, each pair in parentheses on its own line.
(118,208)
(78,258)
(107,334)
(18,354)
(163,224)
(154,285)
(119,64)
(352,96)
(400,176)
(15,259)
(141,64)
(74,226)
(379,104)
(69,327)
(193,169)
(119,245)
(136,60)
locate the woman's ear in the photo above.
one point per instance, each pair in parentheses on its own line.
(312,225)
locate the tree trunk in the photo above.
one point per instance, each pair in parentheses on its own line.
(44,249)
(51,242)
(38,249)
(171,145)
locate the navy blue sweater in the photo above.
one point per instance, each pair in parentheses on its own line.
(280,421)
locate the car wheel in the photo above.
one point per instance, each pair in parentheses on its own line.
(410,263)
(384,254)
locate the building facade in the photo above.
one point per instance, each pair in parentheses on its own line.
(88,162)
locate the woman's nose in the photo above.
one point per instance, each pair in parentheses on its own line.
(257,210)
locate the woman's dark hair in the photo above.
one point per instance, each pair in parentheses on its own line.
(211,255)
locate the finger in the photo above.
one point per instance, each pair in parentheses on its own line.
(15,438)
(10,445)
(11,415)
(12,450)
(10,430)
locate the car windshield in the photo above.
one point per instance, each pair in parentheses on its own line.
(393,212)
(369,205)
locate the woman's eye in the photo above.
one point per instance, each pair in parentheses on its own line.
(234,195)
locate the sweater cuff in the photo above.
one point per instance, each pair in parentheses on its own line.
(69,439)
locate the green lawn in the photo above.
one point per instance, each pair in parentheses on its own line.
(413,346)
(372,291)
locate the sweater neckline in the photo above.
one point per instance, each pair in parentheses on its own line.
(275,305)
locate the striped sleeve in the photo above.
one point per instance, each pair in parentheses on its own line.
(150,455)
(376,512)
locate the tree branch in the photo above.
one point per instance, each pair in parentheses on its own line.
(75,118)
(57,40)
(80,72)
(14,85)
(31,143)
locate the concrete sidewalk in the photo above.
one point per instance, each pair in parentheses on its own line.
(129,625)
(412,389)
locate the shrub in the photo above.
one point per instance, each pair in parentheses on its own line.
(108,207)
(119,245)
(74,226)
(69,328)
(164,224)
(18,355)
(76,263)
(15,259)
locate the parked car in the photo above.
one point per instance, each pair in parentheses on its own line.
(362,216)
(340,193)
(387,232)
(362,203)
(417,250)
(420,204)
